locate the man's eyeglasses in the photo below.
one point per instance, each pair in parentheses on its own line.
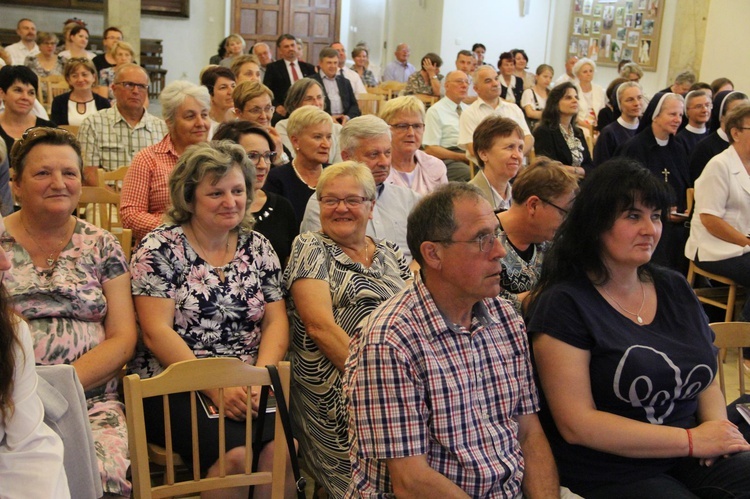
(561,209)
(486,242)
(403,127)
(349,201)
(255,156)
(130,85)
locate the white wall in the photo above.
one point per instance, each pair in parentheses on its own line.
(418,23)
(727,39)
(188,43)
(499,26)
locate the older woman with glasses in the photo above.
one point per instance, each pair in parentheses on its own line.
(308,92)
(335,278)
(145,196)
(206,285)
(274,215)
(253,102)
(46,62)
(71,108)
(71,284)
(411,167)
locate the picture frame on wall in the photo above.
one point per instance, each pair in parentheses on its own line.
(613,30)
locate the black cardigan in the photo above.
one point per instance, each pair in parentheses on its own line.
(549,141)
(59,112)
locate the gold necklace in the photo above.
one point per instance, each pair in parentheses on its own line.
(643,301)
(52,257)
(219,270)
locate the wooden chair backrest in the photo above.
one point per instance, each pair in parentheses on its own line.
(428,100)
(112,178)
(690,200)
(189,376)
(393,87)
(45,93)
(734,335)
(105,206)
(370,103)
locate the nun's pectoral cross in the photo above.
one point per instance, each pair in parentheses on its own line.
(666,174)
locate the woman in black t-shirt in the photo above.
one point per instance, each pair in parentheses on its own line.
(625,356)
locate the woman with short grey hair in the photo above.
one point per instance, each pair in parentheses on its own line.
(144,191)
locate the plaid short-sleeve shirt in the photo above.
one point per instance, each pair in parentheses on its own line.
(145,189)
(420,385)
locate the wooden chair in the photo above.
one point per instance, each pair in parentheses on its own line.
(113,178)
(723,297)
(45,95)
(732,335)
(103,210)
(428,100)
(380,91)
(190,376)
(370,103)
(393,87)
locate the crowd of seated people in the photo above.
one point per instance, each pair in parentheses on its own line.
(272,221)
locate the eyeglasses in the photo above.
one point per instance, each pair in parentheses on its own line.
(702,106)
(486,242)
(7,243)
(258,110)
(255,156)
(130,85)
(561,209)
(403,127)
(349,201)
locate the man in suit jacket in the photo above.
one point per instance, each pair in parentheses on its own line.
(340,100)
(281,74)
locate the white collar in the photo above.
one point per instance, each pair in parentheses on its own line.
(629,126)
(695,130)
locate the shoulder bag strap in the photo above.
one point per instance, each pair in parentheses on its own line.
(286,422)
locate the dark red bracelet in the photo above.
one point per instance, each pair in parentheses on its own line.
(690,442)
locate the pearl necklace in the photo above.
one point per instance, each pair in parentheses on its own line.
(636,315)
(296,172)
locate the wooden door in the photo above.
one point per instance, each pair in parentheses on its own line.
(315,22)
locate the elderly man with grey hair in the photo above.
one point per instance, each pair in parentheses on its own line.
(442,400)
(401,68)
(112,137)
(367,139)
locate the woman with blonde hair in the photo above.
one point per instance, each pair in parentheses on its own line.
(234,46)
(411,167)
(309,131)
(121,53)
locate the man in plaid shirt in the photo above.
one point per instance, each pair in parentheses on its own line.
(442,397)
